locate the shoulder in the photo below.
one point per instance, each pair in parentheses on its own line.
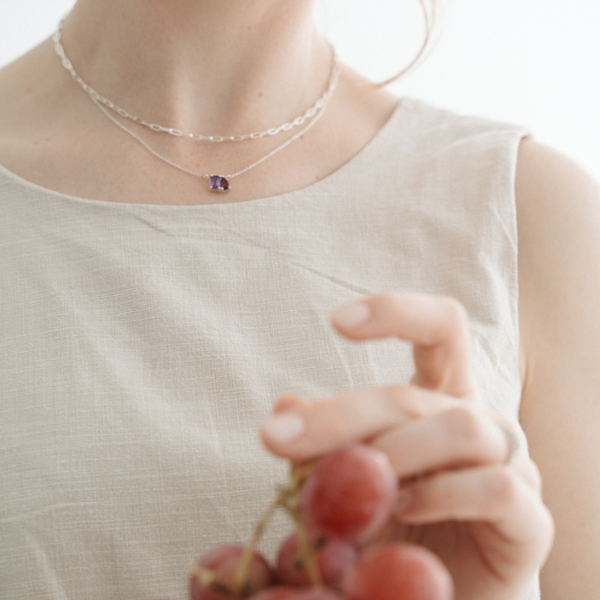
(19,106)
(34,92)
(558,210)
(36,115)
(19,81)
(547,177)
(558,217)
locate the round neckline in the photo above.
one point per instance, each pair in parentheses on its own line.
(368,148)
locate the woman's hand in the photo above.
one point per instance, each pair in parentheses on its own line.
(467,489)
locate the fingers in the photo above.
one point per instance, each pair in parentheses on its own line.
(485,493)
(301,430)
(420,431)
(456,462)
(289,402)
(454,438)
(436,325)
(493,494)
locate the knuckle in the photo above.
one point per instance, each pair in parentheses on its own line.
(455,311)
(530,472)
(535,475)
(548,527)
(412,401)
(452,320)
(503,489)
(403,401)
(406,399)
(392,301)
(394,395)
(466,425)
(390,297)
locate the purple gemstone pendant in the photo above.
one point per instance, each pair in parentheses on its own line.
(218,183)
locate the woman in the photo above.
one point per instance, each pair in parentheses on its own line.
(151,322)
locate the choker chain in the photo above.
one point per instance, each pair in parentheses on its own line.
(217,183)
(257,135)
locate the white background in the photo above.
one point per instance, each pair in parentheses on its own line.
(532,62)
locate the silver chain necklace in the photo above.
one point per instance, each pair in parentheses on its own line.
(217,183)
(257,135)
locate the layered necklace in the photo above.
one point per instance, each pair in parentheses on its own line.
(217,183)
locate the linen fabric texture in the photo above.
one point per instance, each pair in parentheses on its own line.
(142,346)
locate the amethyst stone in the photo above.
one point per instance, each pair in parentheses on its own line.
(218,184)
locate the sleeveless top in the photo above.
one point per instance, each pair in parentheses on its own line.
(142,346)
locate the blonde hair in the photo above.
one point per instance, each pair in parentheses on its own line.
(431,10)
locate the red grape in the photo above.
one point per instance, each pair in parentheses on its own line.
(279,592)
(284,592)
(350,494)
(333,558)
(394,571)
(314,594)
(224,561)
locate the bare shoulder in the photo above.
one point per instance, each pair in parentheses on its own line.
(24,93)
(547,178)
(20,82)
(37,116)
(558,208)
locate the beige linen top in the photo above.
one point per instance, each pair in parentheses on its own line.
(141,346)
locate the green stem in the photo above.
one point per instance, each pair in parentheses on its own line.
(287,497)
(309,557)
(241,573)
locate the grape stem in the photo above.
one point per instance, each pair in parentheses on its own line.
(308,553)
(208,578)
(287,498)
(241,572)
(290,504)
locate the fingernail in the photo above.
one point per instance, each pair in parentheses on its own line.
(284,427)
(351,315)
(404,501)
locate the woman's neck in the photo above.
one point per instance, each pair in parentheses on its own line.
(217,67)
(208,66)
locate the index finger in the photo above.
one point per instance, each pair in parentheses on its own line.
(437,326)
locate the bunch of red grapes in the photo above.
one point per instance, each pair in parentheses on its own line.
(339,505)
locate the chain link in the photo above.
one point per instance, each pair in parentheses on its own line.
(314,113)
(257,135)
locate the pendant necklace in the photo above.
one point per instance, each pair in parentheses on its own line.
(217,183)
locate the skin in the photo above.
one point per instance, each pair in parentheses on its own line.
(273,66)
(482,516)
(559,242)
(274,71)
